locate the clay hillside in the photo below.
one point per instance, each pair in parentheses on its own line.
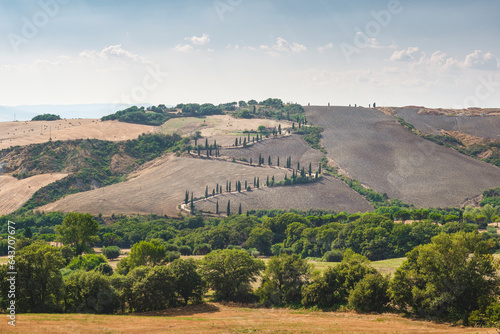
(329,158)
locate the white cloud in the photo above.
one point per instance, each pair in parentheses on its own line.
(326,47)
(114,51)
(204,39)
(481,61)
(183,48)
(282,46)
(409,54)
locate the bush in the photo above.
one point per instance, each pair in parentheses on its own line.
(111,252)
(104,269)
(152,289)
(87,262)
(185,250)
(202,249)
(370,294)
(90,292)
(333,256)
(46,117)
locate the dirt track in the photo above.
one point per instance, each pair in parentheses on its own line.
(293,146)
(327,194)
(35,132)
(486,127)
(373,148)
(14,193)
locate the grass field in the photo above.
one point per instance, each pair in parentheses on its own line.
(374,149)
(31,132)
(384,266)
(218,318)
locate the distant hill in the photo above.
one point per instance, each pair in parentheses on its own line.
(95,110)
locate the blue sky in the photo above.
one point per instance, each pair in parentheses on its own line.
(433,53)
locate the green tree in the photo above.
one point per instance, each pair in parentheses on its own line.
(39,284)
(188,283)
(152,289)
(86,262)
(370,294)
(146,253)
(229,272)
(448,278)
(228,211)
(79,230)
(283,280)
(111,239)
(90,292)
(260,238)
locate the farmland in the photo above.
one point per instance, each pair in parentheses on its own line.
(35,132)
(327,194)
(289,146)
(14,193)
(374,149)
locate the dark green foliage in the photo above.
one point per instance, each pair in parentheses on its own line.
(152,289)
(104,269)
(333,256)
(448,278)
(230,272)
(90,292)
(491,196)
(78,230)
(139,116)
(111,252)
(370,294)
(187,282)
(260,239)
(39,284)
(283,280)
(46,117)
(333,286)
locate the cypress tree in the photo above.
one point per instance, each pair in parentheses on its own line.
(196,142)
(286,176)
(229,186)
(254,182)
(215,144)
(217,187)
(302,172)
(246,186)
(319,170)
(198,150)
(207,153)
(213,192)
(278,163)
(239,210)
(248,136)
(192,203)
(298,165)
(258,182)
(267,181)
(186,197)
(260,159)
(240,140)
(250,161)
(228,212)
(269,161)
(217,207)
(244,142)
(279,128)
(206,143)
(293,126)
(206,192)
(236,142)
(310,169)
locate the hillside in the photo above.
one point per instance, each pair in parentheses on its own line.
(373,148)
(14,193)
(35,132)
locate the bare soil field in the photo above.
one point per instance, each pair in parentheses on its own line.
(160,186)
(485,127)
(35,132)
(293,146)
(219,318)
(328,194)
(217,125)
(373,148)
(14,193)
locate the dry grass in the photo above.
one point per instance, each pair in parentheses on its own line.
(14,193)
(374,149)
(30,132)
(218,318)
(160,186)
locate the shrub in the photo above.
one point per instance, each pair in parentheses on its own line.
(370,294)
(111,252)
(333,256)
(87,262)
(105,269)
(202,249)
(185,250)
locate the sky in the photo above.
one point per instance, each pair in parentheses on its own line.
(394,53)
